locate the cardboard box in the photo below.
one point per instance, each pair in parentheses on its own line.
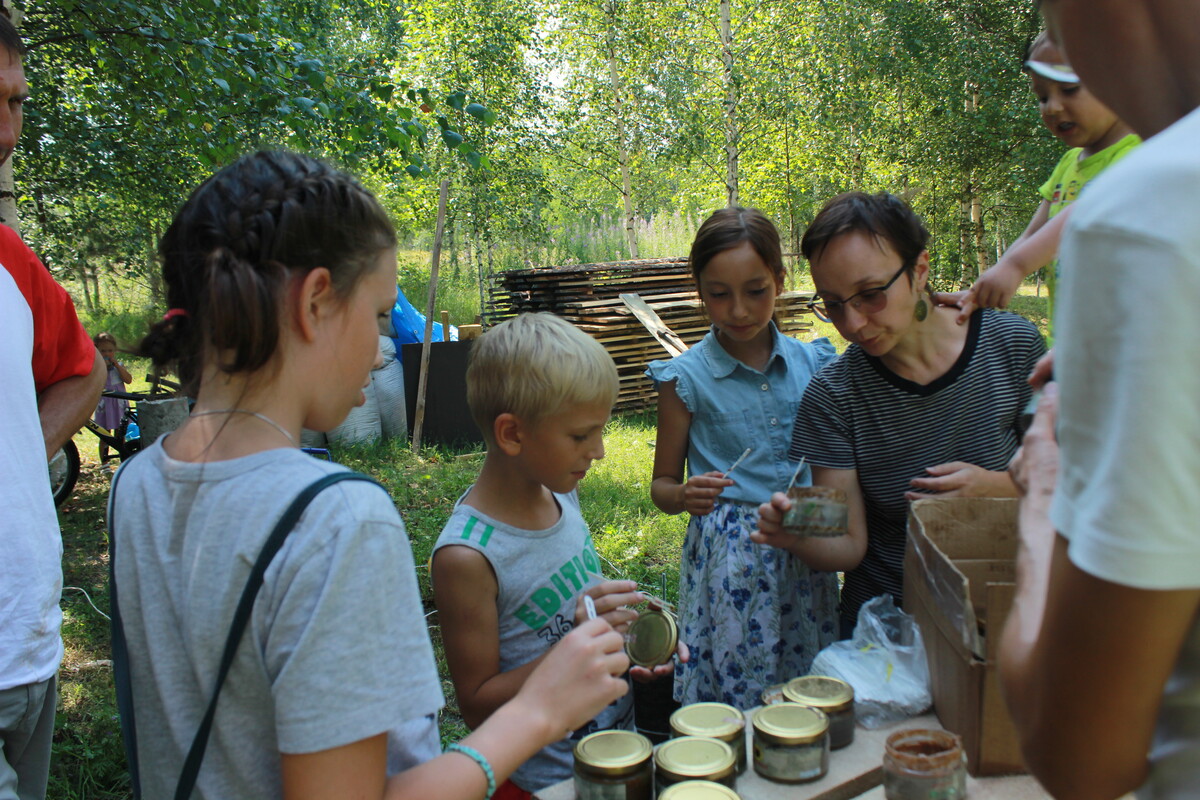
(959,579)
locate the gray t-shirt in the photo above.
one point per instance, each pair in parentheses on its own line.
(336,649)
(539,574)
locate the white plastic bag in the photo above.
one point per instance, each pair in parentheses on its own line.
(361,424)
(389,390)
(884,662)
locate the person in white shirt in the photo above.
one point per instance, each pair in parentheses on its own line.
(1101,656)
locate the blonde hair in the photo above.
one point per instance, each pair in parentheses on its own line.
(532,366)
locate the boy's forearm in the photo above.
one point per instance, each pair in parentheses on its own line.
(493,693)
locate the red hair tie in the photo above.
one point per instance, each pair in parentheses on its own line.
(172,313)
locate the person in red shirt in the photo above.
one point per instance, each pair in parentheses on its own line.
(53,377)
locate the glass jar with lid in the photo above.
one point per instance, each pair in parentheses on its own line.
(716,721)
(791,743)
(833,696)
(614,765)
(688,758)
(699,790)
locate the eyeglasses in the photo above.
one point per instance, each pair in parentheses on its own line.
(868,301)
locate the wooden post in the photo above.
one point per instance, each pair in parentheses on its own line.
(427,342)
(445,326)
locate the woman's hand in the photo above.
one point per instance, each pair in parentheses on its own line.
(960,479)
(825,553)
(770,523)
(701,491)
(612,600)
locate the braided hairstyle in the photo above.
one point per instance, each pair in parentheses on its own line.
(234,246)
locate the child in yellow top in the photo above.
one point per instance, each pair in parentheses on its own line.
(1097,139)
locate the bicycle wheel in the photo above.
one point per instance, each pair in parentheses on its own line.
(64,471)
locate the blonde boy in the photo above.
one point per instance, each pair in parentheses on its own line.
(513,562)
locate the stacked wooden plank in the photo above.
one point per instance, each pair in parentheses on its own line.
(588,296)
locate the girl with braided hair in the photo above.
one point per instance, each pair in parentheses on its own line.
(277,269)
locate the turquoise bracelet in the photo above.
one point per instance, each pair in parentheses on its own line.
(478,758)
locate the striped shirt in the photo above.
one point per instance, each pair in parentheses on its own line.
(857,414)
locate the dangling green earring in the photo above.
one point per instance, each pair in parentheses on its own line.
(921,310)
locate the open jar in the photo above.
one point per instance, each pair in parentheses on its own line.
(923,764)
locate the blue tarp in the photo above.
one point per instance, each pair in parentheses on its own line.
(408,324)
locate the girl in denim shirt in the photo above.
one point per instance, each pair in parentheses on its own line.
(752,615)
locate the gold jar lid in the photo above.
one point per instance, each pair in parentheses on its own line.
(652,638)
(715,720)
(790,723)
(828,694)
(613,753)
(695,757)
(698,790)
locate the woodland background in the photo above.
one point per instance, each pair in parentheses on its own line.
(571,130)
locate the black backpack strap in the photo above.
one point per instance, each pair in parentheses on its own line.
(241,617)
(120,653)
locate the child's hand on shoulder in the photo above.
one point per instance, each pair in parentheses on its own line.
(611,600)
(701,491)
(994,289)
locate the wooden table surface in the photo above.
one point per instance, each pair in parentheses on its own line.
(854,772)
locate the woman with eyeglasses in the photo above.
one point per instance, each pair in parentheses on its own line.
(916,406)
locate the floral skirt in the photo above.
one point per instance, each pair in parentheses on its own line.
(751,615)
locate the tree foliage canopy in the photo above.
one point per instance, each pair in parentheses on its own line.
(535,109)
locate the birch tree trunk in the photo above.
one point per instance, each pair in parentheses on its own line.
(157,298)
(973,202)
(731,101)
(622,147)
(964,239)
(981,255)
(8,189)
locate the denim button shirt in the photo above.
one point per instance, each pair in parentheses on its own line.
(734,407)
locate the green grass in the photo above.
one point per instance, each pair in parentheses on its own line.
(88,761)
